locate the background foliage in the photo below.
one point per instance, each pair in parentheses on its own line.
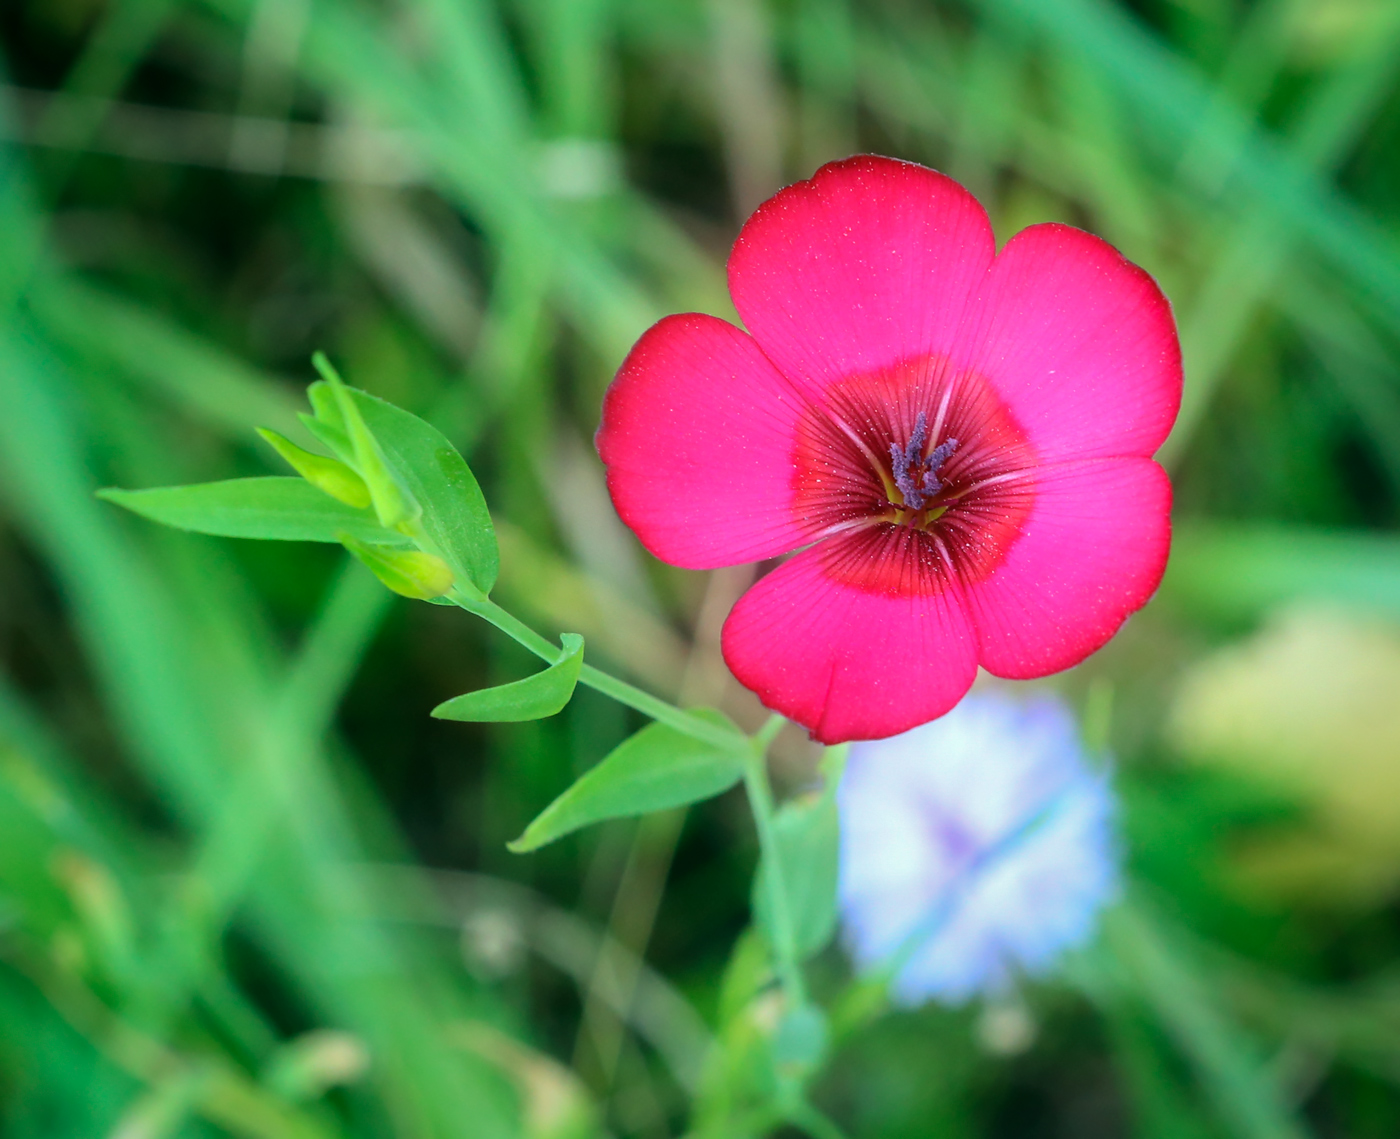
(248,887)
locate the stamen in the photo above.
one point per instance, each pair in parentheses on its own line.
(932,484)
(906,457)
(908,463)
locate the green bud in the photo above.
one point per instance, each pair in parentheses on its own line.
(329,475)
(393,503)
(410,573)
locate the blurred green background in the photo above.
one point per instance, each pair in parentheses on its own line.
(249,888)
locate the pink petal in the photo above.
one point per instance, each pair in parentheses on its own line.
(818,643)
(1091,551)
(698,433)
(1079,342)
(868,263)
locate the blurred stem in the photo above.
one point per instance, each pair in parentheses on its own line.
(761,803)
(1233,1074)
(635,905)
(308,694)
(812,1121)
(265,793)
(660,710)
(218,1091)
(109,57)
(639,890)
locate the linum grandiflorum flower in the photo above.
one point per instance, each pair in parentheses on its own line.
(974,849)
(957,442)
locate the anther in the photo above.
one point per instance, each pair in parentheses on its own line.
(914,476)
(940,455)
(902,458)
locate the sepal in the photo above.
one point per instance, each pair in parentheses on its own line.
(409,573)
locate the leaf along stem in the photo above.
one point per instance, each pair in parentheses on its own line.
(658,709)
(755,767)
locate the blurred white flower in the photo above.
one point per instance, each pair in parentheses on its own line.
(974,849)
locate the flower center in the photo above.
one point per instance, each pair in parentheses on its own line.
(916,474)
(910,474)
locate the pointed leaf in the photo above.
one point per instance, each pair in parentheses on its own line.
(533,698)
(281,509)
(657,768)
(455,517)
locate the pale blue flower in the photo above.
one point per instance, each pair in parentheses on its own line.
(974,849)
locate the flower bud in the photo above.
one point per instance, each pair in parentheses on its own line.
(410,573)
(393,502)
(329,475)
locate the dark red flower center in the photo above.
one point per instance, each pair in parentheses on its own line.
(919,472)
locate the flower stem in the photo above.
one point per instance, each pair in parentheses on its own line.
(660,710)
(756,783)
(775,883)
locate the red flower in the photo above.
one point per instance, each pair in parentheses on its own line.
(957,442)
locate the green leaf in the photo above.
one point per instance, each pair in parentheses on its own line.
(409,573)
(808,838)
(533,698)
(455,517)
(281,509)
(657,768)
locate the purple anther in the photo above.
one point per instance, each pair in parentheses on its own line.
(907,457)
(940,455)
(914,476)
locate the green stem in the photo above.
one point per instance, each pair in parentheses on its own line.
(660,710)
(760,794)
(755,767)
(775,882)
